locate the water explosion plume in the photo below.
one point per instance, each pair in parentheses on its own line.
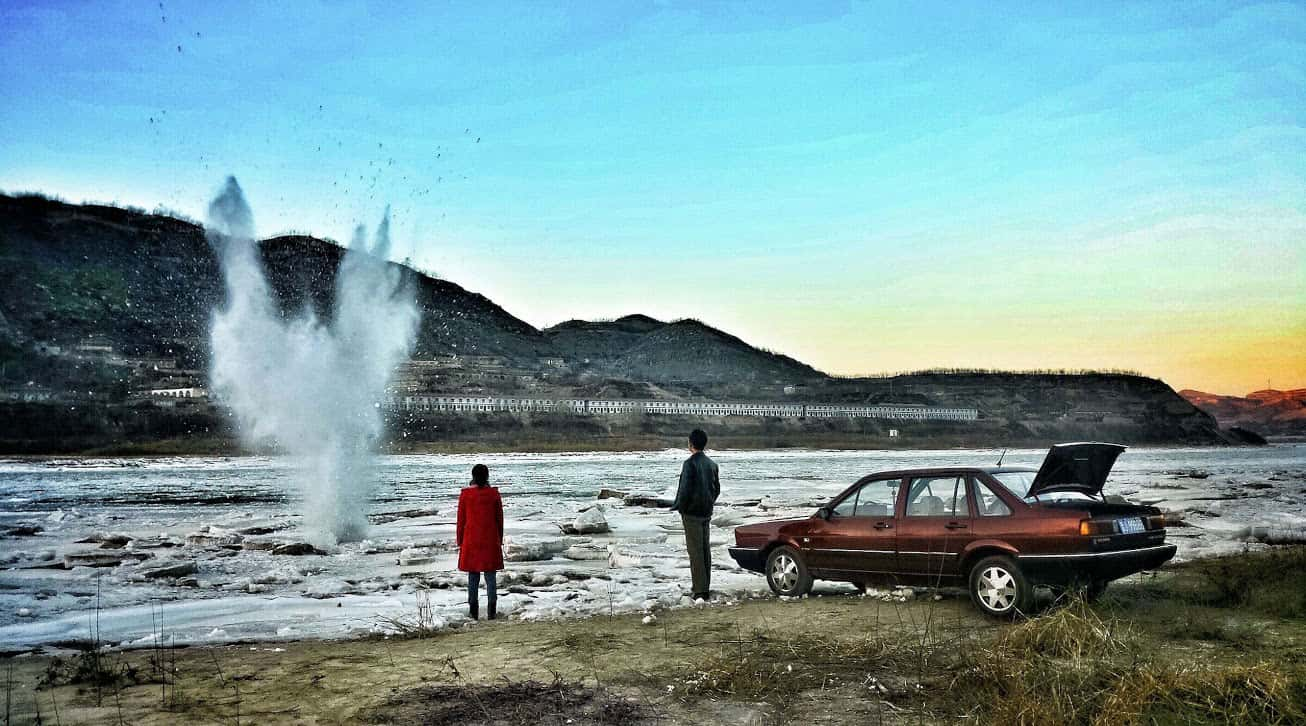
(309,387)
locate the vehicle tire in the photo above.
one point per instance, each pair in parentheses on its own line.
(786,572)
(861,587)
(999,588)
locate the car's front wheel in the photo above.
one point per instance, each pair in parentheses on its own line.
(999,588)
(786,572)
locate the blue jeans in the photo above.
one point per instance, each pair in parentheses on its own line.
(474,583)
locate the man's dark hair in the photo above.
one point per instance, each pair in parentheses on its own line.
(481,475)
(698,439)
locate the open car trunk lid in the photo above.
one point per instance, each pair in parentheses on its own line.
(1075,467)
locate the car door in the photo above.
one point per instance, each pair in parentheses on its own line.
(934,528)
(859,537)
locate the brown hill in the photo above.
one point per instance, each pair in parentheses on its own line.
(1269,412)
(146,285)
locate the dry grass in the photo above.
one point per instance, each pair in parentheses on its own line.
(1196,623)
(1271,582)
(421,623)
(1072,665)
(1260,693)
(1017,687)
(765,667)
(584,641)
(1073,631)
(512,702)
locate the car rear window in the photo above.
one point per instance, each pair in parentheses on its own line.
(1016,482)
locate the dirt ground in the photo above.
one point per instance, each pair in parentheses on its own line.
(820,660)
(367,681)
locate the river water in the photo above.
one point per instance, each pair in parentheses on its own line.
(222,515)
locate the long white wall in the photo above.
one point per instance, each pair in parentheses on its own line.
(422,404)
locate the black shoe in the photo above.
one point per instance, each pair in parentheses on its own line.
(474,609)
(491,609)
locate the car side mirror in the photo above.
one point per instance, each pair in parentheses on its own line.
(824,513)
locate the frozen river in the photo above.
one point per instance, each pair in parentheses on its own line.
(86,531)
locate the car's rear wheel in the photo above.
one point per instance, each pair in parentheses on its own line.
(999,588)
(786,572)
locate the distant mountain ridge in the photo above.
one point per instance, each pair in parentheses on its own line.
(1268,411)
(149,283)
(87,276)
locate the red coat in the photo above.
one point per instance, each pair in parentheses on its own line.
(480,530)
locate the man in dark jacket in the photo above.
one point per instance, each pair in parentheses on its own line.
(698,490)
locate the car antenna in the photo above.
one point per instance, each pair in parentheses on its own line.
(1002,456)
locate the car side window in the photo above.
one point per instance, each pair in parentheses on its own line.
(988,503)
(877,498)
(848,507)
(937,496)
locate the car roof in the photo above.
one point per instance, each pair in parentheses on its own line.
(951,470)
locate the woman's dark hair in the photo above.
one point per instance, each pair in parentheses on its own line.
(481,475)
(698,439)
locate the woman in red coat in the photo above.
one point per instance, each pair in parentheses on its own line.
(480,538)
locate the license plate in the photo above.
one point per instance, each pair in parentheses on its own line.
(1133,525)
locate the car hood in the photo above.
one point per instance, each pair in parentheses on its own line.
(1075,467)
(769,527)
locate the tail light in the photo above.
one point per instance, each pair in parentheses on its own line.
(1095,527)
(1156,521)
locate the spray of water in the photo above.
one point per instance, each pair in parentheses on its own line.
(311,388)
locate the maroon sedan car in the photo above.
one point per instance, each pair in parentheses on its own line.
(1001,531)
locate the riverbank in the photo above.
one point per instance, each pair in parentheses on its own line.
(599,443)
(1213,641)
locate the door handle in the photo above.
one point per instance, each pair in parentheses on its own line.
(883,525)
(956,525)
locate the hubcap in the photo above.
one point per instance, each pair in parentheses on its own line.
(996,589)
(784,572)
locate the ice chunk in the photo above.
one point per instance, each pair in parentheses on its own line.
(179,569)
(208,536)
(94,558)
(532,550)
(414,556)
(647,500)
(584,552)
(591,521)
(727,519)
(327,587)
(1276,535)
(296,549)
(617,558)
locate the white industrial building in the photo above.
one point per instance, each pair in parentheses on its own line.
(487,404)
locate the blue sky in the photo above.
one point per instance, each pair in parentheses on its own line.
(866,187)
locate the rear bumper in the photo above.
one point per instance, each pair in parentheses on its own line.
(1080,566)
(749,558)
